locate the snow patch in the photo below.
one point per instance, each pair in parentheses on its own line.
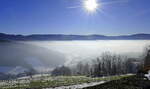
(148,75)
(79,86)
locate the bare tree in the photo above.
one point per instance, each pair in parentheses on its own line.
(63,70)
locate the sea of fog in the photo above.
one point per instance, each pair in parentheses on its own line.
(75,51)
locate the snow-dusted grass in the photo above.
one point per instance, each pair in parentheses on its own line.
(46,81)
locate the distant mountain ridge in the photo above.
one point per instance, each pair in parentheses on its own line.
(47,37)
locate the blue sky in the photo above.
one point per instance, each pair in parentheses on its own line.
(115,17)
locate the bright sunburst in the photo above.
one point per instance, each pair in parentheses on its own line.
(90,5)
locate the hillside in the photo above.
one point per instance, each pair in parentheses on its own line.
(72,37)
(132,82)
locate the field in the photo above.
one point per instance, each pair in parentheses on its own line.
(47,81)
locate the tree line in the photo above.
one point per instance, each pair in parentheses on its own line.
(105,65)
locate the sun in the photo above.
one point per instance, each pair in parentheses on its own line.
(90,5)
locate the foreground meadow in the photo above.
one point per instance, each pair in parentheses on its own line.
(47,81)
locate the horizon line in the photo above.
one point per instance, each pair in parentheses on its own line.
(70,34)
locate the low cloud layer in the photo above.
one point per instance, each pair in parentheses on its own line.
(20,54)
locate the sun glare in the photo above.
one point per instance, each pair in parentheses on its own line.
(90,5)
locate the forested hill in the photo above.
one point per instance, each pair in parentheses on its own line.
(72,37)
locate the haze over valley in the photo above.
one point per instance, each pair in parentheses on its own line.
(46,55)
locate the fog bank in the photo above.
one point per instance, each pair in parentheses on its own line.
(76,51)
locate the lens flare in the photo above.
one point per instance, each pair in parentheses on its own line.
(90,5)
